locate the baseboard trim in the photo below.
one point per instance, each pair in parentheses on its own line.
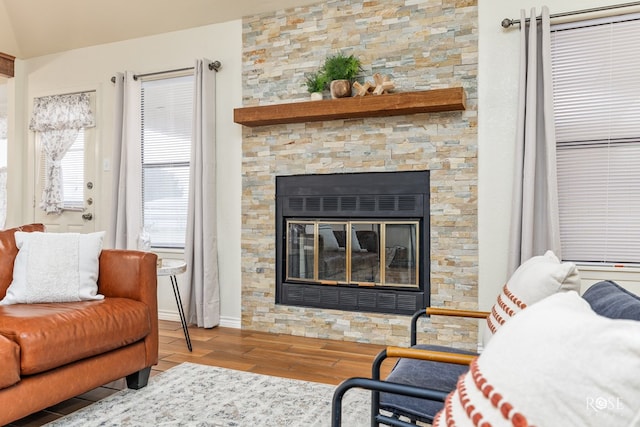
(225,321)
(230,322)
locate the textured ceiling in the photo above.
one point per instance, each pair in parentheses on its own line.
(30,28)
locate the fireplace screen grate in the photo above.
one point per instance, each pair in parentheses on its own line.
(407,204)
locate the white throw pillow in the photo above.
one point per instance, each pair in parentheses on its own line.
(355,243)
(329,241)
(556,363)
(55,267)
(535,279)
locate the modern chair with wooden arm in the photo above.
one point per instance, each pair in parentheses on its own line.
(537,278)
(419,382)
(561,338)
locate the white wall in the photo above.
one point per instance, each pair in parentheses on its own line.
(497,104)
(91,69)
(3,112)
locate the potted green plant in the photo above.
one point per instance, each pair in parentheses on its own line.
(316,83)
(341,70)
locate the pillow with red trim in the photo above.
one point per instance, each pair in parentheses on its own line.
(556,363)
(535,279)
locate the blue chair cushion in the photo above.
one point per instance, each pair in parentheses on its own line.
(422,373)
(609,299)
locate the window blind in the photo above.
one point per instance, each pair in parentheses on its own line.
(597,109)
(73,174)
(166,148)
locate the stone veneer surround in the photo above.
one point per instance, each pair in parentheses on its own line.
(422,44)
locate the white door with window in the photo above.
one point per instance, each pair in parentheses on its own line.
(79,186)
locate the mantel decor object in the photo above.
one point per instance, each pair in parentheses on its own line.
(316,83)
(341,70)
(340,88)
(382,85)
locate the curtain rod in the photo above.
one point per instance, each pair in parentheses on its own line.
(66,93)
(214,66)
(506,22)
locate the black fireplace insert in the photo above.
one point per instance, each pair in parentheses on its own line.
(353,241)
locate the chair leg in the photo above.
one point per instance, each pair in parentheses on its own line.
(375,394)
(139,379)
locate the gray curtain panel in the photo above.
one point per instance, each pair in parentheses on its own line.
(126,197)
(535,224)
(201,246)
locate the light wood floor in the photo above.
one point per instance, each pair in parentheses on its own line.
(308,359)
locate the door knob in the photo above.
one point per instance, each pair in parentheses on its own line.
(87,216)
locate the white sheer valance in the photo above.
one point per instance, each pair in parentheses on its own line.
(60,112)
(58,119)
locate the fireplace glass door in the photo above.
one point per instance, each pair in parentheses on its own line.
(348,252)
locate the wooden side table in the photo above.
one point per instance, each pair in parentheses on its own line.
(171,268)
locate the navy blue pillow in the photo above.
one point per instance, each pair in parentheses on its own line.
(609,299)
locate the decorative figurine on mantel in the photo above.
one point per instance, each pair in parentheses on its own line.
(337,74)
(381,85)
(316,82)
(340,71)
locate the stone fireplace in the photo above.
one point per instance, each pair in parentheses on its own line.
(422,44)
(353,241)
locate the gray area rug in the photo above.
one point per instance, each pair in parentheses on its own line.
(199,395)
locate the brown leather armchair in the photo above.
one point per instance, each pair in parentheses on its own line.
(50,352)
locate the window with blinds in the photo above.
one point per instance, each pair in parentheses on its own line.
(596,85)
(166,146)
(72,165)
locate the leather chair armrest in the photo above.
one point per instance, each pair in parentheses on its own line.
(435,356)
(133,274)
(438,311)
(415,353)
(128,274)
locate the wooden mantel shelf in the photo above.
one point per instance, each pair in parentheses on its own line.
(396,104)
